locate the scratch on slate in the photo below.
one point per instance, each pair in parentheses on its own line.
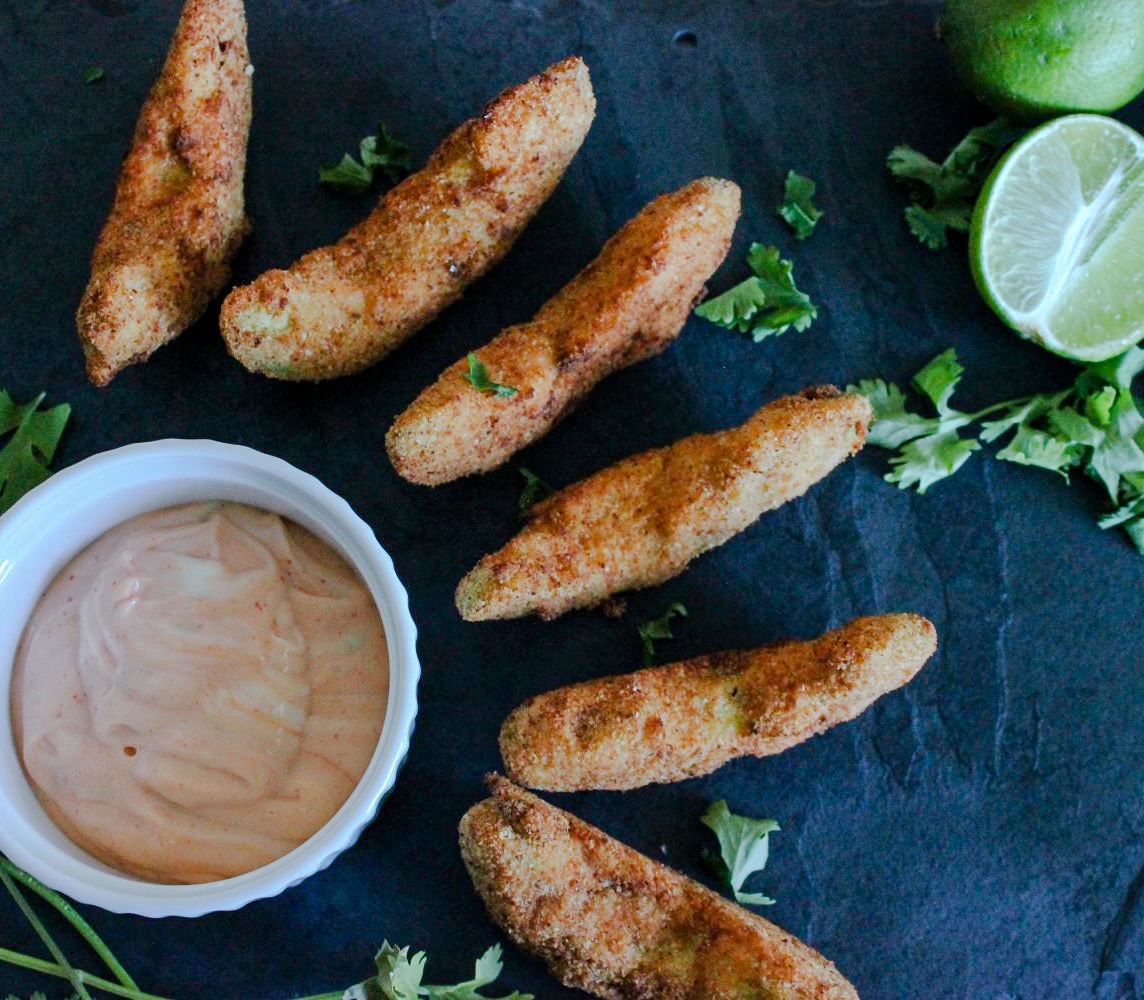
(1114,935)
(1038,734)
(808,930)
(942,635)
(1000,660)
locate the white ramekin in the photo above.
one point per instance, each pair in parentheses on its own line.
(54,522)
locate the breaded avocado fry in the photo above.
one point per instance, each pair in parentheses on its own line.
(642,520)
(686,719)
(625,306)
(178,215)
(612,922)
(343,307)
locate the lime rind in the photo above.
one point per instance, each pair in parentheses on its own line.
(1057,239)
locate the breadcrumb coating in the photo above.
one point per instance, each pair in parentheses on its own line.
(343,307)
(178,215)
(625,306)
(686,719)
(612,922)
(641,521)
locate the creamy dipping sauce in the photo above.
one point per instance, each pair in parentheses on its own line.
(199,691)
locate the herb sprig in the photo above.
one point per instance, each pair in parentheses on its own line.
(766,304)
(398,974)
(744,849)
(1095,425)
(399,978)
(535,490)
(797,209)
(478,377)
(35,435)
(658,628)
(379,153)
(943,195)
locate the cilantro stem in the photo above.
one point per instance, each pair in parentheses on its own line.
(42,933)
(96,982)
(69,912)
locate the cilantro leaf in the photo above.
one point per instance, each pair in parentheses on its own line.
(92,73)
(930,448)
(927,227)
(944,194)
(797,209)
(379,153)
(1040,449)
(535,490)
(939,378)
(766,304)
(399,978)
(478,377)
(348,177)
(929,459)
(893,425)
(744,848)
(24,459)
(658,628)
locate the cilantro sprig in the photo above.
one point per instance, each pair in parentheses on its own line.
(797,209)
(535,490)
(93,74)
(399,978)
(744,849)
(35,435)
(1095,425)
(658,628)
(379,153)
(943,195)
(478,377)
(766,304)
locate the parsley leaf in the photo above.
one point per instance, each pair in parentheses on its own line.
(24,459)
(535,490)
(1096,424)
(379,152)
(399,978)
(658,628)
(797,209)
(944,194)
(478,377)
(764,305)
(744,848)
(92,73)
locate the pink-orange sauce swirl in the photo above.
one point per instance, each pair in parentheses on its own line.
(199,691)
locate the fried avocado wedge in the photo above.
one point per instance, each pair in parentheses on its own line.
(641,521)
(179,213)
(612,922)
(686,719)
(341,308)
(627,305)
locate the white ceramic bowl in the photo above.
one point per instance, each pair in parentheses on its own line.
(53,523)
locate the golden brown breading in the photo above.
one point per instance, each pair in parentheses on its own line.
(642,520)
(178,215)
(612,922)
(343,307)
(686,719)
(625,306)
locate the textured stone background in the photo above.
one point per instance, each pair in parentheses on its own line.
(973,836)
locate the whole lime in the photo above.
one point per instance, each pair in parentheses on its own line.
(1032,59)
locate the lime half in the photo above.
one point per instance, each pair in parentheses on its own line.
(1057,242)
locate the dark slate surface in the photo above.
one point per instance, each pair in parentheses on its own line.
(975,835)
